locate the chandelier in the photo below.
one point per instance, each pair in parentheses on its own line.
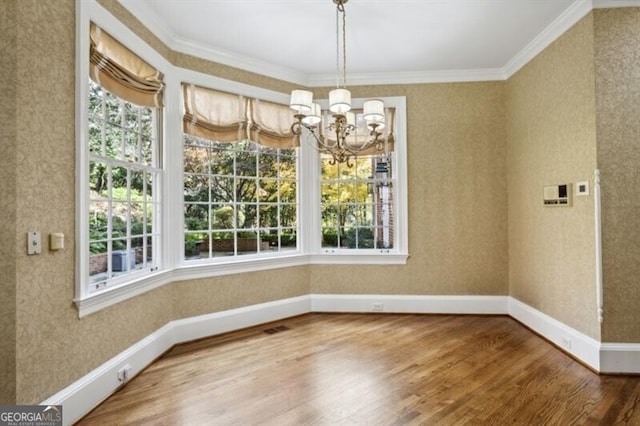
(338,143)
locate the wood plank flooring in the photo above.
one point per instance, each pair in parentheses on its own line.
(372,369)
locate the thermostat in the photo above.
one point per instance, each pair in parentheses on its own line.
(557,195)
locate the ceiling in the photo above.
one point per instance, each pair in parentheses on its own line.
(387,40)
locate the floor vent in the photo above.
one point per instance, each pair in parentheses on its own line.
(277,329)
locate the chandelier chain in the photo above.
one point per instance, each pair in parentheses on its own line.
(339,10)
(337,47)
(344,48)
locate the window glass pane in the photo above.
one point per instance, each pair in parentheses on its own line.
(138,219)
(196,217)
(113,141)
(329,237)
(268,216)
(113,107)
(288,239)
(131,116)
(119,178)
(137,247)
(247,242)
(196,188)
(246,163)
(96,136)
(149,209)
(148,186)
(119,219)
(223,216)
(288,191)
(246,190)
(268,191)
(98,180)
(268,164)
(132,147)
(222,189)
(196,159)
(248,216)
(196,245)
(223,244)
(288,215)
(146,147)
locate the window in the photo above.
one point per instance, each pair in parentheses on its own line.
(122,160)
(357,203)
(232,193)
(123,208)
(240,177)
(357,200)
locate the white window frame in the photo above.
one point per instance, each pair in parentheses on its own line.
(171,265)
(154,204)
(399,253)
(87,299)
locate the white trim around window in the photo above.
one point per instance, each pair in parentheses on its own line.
(172,267)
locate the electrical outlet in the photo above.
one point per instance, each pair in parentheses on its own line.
(124,373)
(378,307)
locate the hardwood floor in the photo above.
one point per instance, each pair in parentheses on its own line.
(372,369)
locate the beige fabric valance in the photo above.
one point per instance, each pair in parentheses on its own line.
(270,125)
(122,72)
(225,117)
(214,115)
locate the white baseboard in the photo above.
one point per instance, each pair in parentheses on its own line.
(620,358)
(86,393)
(410,304)
(579,345)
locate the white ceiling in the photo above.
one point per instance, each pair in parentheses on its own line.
(387,40)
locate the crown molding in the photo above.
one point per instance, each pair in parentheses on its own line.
(235,60)
(151,20)
(440,76)
(611,4)
(559,26)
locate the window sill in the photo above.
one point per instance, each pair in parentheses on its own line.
(103,299)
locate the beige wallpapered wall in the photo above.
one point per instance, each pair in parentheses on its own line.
(457,197)
(617,64)
(8,248)
(552,139)
(457,208)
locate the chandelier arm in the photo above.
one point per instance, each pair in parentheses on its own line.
(322,146)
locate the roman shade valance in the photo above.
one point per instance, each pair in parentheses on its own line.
(270,125)
(214,115)
(122,72)
(225,117)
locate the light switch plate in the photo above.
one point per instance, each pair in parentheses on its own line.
(34,242)
(582,188)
